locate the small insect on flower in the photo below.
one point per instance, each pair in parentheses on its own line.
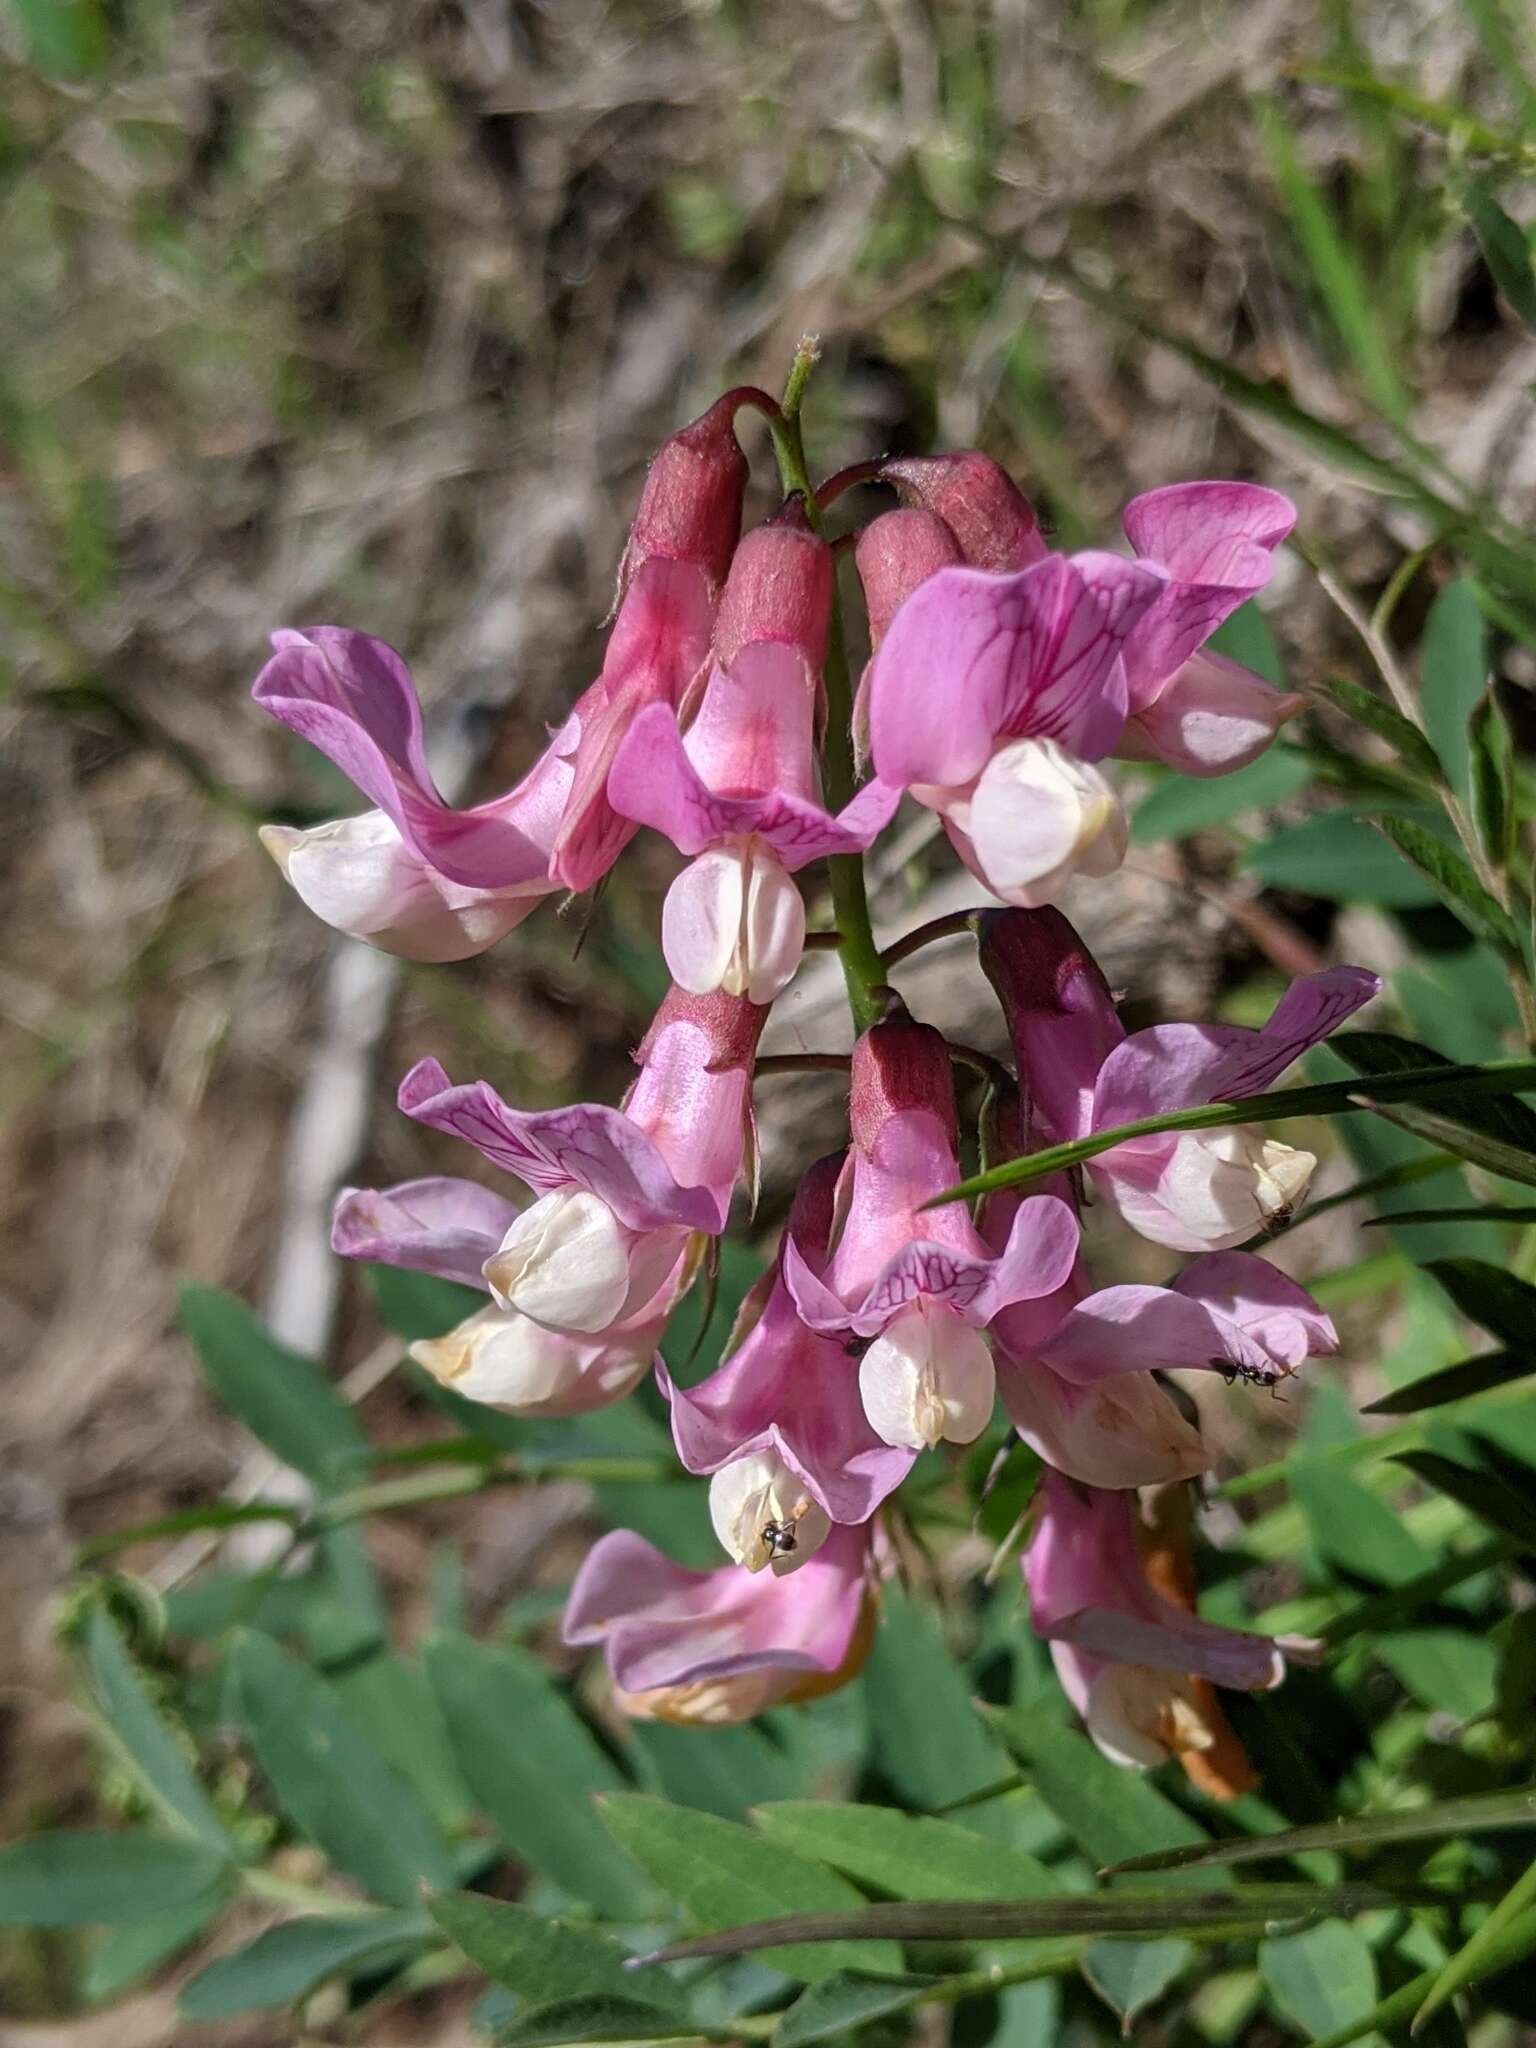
(782,1539)
(1232,1370)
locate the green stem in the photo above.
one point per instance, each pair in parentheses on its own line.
(856,947)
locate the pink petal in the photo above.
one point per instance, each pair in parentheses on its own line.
(1213,715)
(1170,1066)
(442,1226)
(662,1625)
(1215,542)
(1312,1007)
(1119,1433)
(352,697)
(586,1146)
(1267,1305)
(1137,1328)
(1060,1012)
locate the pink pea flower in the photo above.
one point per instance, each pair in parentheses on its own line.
(991,695)
(1075,1368)
(418,877)
(1126,1655)
(624,1198)
(1215,542)
(737,792)
(780,1425)
(1193,1190)
(497,1355)
(721,1646)
(918,1289)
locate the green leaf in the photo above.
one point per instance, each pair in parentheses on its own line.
(1483,1493)
(288,1962)
(331,1783)
(840,2004)
(417,1306)
(1131,1975)
(1510,1945)
(601,2017)
(65,38)
(284,1400)
(1458,1094)
(1181,804)
(1454,669)
(1470,1962)
(1379,717)
(1495,803)
(1356,1533)
(132,1950)
(132,1719)
(1070,1913)
(1504,1305)
(1453,882)
(538,1786)
(908,1855)
(1455,1383)
(540,1958)
(1486,1813)
(722,1770)
(1340,860)
(1479,1212)
(95,1879)
(1506,250)
(721,1873)
(1322,1978)
(391,1704)
(1110,1812)
(1448,1670)
(929,1741)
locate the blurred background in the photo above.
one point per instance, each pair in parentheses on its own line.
(372,312)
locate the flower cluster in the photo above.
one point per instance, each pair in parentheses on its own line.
(891,1321)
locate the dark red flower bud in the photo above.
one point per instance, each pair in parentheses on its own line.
(983,507)
(690,508)
(779,588)
(897,552)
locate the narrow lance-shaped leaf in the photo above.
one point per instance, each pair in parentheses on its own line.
(1379,717)
(1501,1302)
(1453,881)
(135,1723)
(69,1879)
(1485,1813)
(1109,1913)
(282,1398)
(1495,812)
(1451,1088)
(1455,1383)
(1490,1939)
(1483,1493)
(288,1962)
(1454,665)
(1506,249)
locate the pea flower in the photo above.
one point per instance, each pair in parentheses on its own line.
(1124,1653)
(418,877)
(1198,711)
(990,697)
(1191,1190)
(452,1228)
(916,1290)
(624,1198)
(737,792)
(780,1424)
(721,1646)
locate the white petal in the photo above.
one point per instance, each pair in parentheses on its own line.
(772,931)
(1038,816)
(701,921)
(1140,1717)
(763,1515)
(511,1362)
(1217,1189)
(358,876)
(565,1262)
(927,1379)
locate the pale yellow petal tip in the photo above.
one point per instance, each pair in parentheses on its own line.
(279,841)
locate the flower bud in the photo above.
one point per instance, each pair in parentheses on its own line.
(897,552)
(569,1263)
(734,920)
(1038,816)
(982,506)
(513,1363)
(780,588)
(927,1379)
(690,508)
(359,876)
(763,1515)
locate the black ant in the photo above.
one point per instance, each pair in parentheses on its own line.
(782,1539)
